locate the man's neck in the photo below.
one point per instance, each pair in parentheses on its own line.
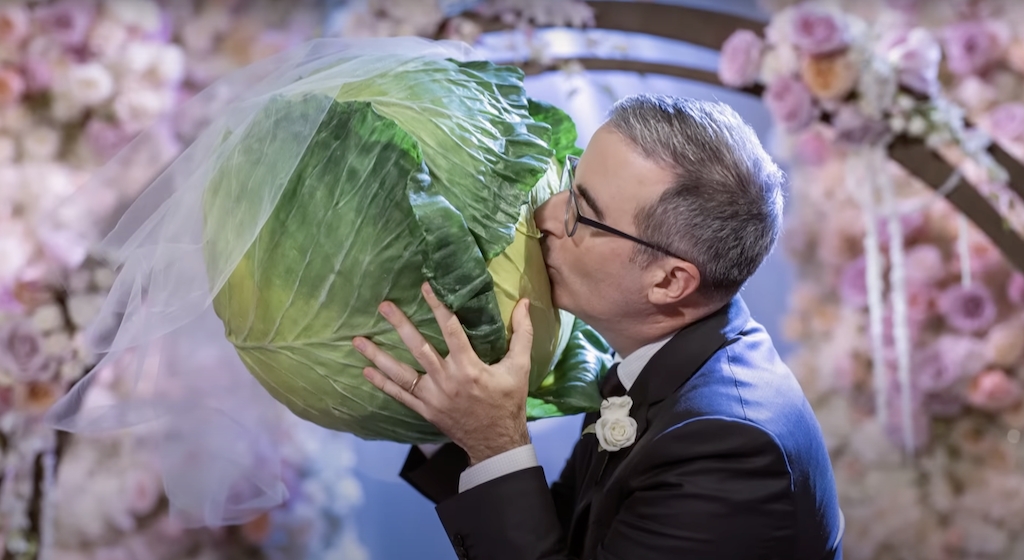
(628,337)
(625,342)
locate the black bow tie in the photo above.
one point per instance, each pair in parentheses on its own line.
(611,386)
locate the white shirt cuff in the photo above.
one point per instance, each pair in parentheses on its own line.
(511,461)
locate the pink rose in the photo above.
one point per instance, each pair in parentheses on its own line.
(38,74)
(971,47)
(1015,288)
(64,247)
(8,302)
(813,146)
(941,372)
(14,24)
(968,309)
(994,391)
(740,61)
(790,103)
(1007,121)
(66,21)
(853,127)
(817,31)
(925,265)
(853,289)
(974,93)
(21,353)
(917,56)
(12,86)
(105,139)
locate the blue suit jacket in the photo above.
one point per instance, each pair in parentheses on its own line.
(729,464)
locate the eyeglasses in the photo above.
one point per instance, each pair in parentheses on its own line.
(573,217)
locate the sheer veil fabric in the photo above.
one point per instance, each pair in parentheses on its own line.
(157,337)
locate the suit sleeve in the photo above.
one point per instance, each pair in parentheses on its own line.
(707,488)
(437,477)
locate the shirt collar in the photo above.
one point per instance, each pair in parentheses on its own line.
(631,366)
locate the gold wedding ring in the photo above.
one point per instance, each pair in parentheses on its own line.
(415,381)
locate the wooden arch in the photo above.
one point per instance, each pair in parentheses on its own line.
(710,30)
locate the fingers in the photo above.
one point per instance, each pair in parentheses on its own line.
(393,390)
(399,372)
(454,335)
(421,350)
(521,346)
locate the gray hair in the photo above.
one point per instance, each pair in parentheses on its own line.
(723,212)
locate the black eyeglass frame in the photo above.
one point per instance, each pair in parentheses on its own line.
(568,178)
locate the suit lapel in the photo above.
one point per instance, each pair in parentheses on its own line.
(668,370)
(673,365)
(577,526)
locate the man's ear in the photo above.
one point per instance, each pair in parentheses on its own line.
(675,280)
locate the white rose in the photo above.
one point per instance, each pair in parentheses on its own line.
(616,407)
(615,433)
(780,28)
(48,318)
(84,308)
(615,429)
(168,66)
(107,37)
(975,93)
(779,61)
(137,106)
(50,182)
(40,143)
(89,84)
(135,58)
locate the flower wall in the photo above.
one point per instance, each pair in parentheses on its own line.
(908,320)
(78,81)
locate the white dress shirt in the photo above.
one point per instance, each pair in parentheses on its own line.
(525,457)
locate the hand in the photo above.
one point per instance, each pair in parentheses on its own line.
(481,407)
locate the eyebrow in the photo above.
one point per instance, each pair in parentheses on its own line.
(589,199)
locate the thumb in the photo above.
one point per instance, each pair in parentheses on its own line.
(521,345)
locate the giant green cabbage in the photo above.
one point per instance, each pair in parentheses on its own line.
(430,171)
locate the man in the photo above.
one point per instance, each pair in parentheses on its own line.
(674,205)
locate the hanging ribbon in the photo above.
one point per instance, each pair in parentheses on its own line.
(860,182)
(897,293)
(963,246)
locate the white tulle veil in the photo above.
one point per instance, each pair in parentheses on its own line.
(157,338)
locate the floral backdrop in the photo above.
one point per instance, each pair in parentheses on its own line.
(79,79)
(895,274)
(908,321)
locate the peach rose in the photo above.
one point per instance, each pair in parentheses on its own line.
(993,391)
(829,77)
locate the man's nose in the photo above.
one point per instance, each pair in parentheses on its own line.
(550,216)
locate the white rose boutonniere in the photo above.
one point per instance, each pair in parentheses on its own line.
(615,429)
